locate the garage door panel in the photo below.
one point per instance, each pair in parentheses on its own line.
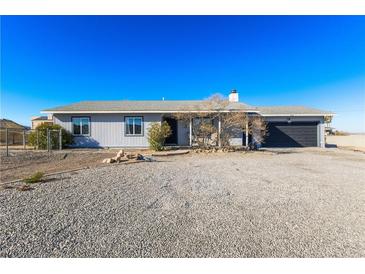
(302,134)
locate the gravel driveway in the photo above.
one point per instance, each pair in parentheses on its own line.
(287,203)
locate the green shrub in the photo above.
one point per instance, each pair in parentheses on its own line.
(157,133)
(54,140)
(35,178)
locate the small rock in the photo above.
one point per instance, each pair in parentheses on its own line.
(187,204)
(105,161)
(148,159)
(108,161)
(120,153)
(131,156)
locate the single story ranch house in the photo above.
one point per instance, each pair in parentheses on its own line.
(125,123)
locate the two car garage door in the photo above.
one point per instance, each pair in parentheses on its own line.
(295,134)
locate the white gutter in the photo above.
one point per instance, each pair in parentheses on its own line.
(300,115)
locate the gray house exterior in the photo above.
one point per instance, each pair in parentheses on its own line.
(125,123)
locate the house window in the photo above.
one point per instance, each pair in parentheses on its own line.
(81,126)
(198,121)
(134,125)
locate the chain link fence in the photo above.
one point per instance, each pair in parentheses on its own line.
(34,139)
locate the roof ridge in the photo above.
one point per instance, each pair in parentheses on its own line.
(144,105)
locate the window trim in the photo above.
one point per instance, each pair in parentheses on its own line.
(72,126)
(125,126)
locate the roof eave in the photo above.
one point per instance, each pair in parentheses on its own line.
(140,111)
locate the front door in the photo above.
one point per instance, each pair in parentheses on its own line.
(172,139)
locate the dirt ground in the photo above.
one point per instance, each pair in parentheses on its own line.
(350,142)
(23,163)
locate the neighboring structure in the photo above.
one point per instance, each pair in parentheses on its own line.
(39,120)
(15,132)
(125,123)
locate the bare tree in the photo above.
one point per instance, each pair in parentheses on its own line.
(232,122)
(232,125)
(205,132)
(328,119)
(203,129)
(258,129)
(205,122)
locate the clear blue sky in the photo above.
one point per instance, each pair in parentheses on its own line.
(316,61)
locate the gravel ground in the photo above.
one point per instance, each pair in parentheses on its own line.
(287,203)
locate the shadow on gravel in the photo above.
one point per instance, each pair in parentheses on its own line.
(24,188)
(157,160)
(278,152)
(6,187)
(48,180)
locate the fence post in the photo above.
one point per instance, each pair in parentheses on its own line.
(219,131)
(24,139)
(190,132)
(37,131)
(60,138)
(48,140)
(246,133)
(7,142)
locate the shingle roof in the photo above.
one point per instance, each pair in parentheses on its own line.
(175,106)
(40,118)
(5,123)
(145,106)
(292,110)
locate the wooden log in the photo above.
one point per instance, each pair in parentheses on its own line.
(170,153)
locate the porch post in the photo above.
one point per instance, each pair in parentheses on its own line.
(219,131)
(190,131)
(246,133)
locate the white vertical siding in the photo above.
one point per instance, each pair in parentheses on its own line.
(108,130)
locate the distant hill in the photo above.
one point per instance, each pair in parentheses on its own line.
(5,123)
